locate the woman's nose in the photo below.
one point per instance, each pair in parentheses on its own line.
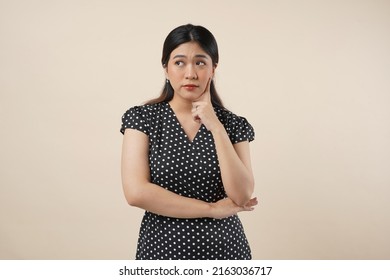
(191,72)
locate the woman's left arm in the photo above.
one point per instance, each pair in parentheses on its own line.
(235,164)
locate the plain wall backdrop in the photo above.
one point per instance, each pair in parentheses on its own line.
(312,77)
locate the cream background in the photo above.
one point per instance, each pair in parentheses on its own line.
(311,76)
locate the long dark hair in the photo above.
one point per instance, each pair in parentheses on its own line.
(183,34)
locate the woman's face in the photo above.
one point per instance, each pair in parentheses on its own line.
(189,70)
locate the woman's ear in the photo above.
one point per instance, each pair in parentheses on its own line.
(166,71)
(214,67)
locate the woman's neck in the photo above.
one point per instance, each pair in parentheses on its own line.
(181,106)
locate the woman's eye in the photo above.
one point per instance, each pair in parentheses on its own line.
(179,63)
(201,63)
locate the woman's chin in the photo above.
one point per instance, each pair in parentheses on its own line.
(190,96)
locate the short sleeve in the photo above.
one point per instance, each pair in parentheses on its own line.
(135,118)
(239,130)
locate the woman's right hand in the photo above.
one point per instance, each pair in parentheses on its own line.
(226,207)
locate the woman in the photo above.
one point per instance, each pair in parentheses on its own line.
(186,160)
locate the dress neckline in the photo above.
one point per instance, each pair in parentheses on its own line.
(185,135)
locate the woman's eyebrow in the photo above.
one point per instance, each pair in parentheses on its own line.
(197,55)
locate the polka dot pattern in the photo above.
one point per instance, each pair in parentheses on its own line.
(189,169)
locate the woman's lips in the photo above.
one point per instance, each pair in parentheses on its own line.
(190,87)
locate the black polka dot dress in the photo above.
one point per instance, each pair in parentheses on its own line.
(189,169)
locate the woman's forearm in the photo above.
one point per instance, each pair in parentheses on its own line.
(237,178)
(158,200)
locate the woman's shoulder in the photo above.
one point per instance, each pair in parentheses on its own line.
(226,115)
(141,117)
(237,127)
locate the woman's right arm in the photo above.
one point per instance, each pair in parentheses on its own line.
(140,192)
